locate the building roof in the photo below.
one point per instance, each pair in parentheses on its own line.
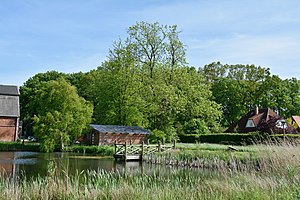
(264,120)
(9,101)
(120,129)
(9,90)
(296,119)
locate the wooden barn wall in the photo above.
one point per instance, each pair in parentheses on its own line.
(7,129)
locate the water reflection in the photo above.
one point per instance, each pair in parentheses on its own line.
(32,164)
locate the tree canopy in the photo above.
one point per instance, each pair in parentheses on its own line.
(146,81)
(62,114)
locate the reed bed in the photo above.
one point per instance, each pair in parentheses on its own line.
(271,172)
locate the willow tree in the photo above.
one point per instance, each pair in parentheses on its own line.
(62,114)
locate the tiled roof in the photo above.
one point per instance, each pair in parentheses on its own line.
(260,119)
(120,129)
(9,101)
(9,90)
(297,120)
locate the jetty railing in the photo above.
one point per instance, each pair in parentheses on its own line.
(136,152)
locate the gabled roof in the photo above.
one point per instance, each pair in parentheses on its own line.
(9,90)
(119,129)
(296,119)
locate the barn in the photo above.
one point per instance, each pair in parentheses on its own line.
(109,134)
(9,112)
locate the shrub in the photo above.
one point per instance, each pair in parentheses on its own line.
(97,150)
(157,135)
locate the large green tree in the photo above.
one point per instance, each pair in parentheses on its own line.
(238,88)
(28,101)
(61,114)
(146,82)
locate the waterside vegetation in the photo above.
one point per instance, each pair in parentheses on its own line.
(253,172)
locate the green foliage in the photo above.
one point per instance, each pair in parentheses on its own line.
(232,138)
(196,126)
(240,88)
(62,114)
(146,82)
(18,146)
(28,97)
(157,135)
(95,150)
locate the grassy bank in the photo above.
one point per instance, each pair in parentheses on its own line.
(19,146)
(270,171)
(28,146)
(95,150)
(246,158)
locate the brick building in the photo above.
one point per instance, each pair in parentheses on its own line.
(109,134)
(9,112)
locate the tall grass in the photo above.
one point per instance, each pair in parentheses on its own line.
(176,185)
(271,173)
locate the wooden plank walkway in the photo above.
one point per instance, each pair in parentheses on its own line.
(136,152)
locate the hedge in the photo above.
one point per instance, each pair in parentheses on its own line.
(236,138)
(18,146)
(226,138)
(96,150)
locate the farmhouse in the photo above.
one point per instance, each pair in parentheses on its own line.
(263,120)
(9,112)
(109,134)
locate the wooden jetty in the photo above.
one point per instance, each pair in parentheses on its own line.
(136,152)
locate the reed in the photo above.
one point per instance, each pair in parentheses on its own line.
(272,172)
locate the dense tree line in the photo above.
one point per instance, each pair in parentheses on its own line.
(147,82)
(240,88)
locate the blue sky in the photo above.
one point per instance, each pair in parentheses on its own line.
(75,35)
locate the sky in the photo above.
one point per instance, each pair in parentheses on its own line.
(74,35)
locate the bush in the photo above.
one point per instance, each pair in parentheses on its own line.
(196,126)
(97,150)
(157,135)
(17,146)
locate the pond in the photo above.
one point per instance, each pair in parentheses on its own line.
(33,164)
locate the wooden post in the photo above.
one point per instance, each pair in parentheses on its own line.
(142,153)
(163,141)
(174,144)
(125,151)
(159,147)
(115,149)
(148,141)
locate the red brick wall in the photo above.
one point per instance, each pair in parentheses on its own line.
(110,138)
(7,129)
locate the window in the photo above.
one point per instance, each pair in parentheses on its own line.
(250,124)
(281,124)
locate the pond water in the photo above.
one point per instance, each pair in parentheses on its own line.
(32,164)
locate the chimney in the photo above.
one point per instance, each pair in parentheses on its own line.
(256,110)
